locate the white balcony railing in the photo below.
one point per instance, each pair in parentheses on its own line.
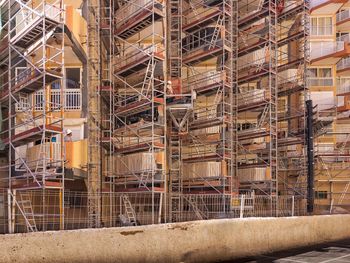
(343,63)
(324,82)
(326,48)
(72,101)
(343,85)
(344,38)
(343,15)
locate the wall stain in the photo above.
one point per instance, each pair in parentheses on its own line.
(127,233)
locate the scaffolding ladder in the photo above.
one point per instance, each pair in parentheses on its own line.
(129,210)
(343,194)
(175,45)
(175,177)
(25,207)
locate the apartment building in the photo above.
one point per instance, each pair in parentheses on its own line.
(179,110)
(329,86)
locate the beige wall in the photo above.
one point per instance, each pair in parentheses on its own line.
(199,241)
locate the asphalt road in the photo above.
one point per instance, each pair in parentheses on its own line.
(330,252)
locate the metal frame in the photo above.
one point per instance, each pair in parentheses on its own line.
(30,28)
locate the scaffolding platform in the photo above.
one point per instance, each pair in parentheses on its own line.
(33,185)
(207,122)
(204,21)
(137,107)
(140,147)
(33,32)
(139,20)
(137,62)
(203,54)
(32,135)
(252,133)
(207,182)
(141,128)
(32,83)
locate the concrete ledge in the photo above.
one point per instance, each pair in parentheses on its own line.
(200,241)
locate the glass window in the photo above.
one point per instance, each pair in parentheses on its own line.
(321,194)
(73,78)
(321,26)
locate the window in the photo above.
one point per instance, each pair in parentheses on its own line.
(73,78)
(321,194)
(321,26)
(321,76)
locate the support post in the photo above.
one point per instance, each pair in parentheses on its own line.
(9,211)
(310,157)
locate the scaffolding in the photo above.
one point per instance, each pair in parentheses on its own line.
(196,110)
(32,61)
(273,56)
(139,112)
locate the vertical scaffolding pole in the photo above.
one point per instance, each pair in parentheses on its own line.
(310,157)
(273,105)
(174,54)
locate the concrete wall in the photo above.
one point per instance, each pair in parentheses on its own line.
(200,241)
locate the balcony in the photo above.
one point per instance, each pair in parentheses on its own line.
(53,157)
(343,86)
(327,53)
(343,20)
(75,154)
(72,101)
(343,67)
(344,105)
(321,82)
(326,7)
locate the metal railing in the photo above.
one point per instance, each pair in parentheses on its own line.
(326,48)
(344,38)
(343,85)
(315,81)
(72,100)
(343,63)
(342,15)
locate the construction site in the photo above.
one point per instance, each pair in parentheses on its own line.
(135,112)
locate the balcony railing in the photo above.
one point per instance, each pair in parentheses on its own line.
(324,82)
(72,101)
(343,15)
(343,63)
(344,38)
(326,48)
(343,86)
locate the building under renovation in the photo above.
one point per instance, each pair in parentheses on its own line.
(134,112)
